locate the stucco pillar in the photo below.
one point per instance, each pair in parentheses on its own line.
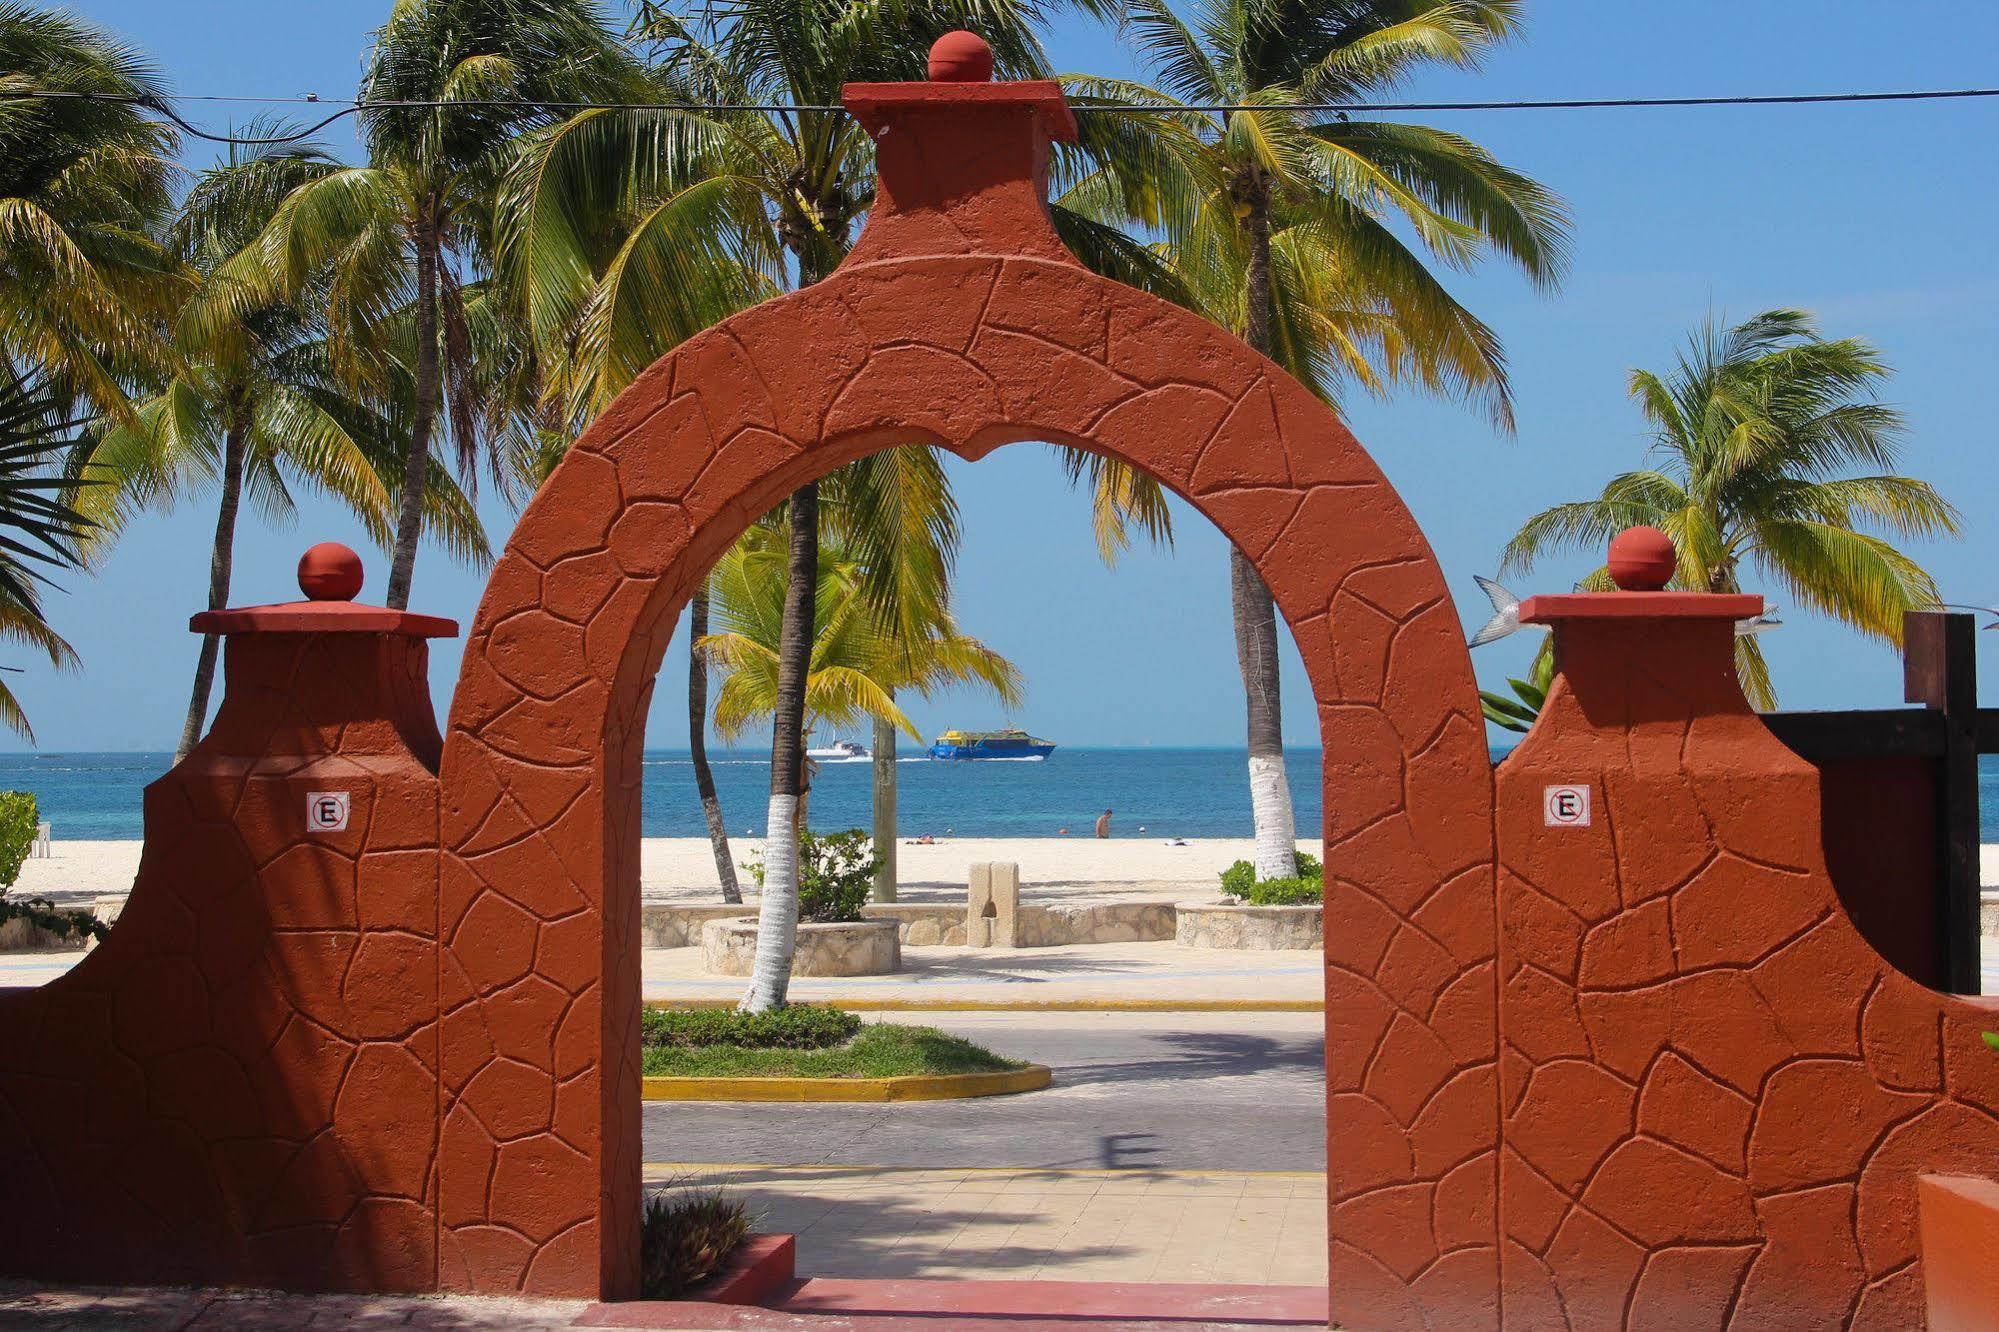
(1714,1096)
(239,1085)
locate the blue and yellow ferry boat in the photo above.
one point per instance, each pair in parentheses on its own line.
(1008,744)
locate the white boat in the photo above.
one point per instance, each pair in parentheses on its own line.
(840,751)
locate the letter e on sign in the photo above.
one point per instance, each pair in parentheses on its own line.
(1566,806)
(326,811)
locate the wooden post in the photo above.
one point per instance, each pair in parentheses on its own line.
(1940,671)
(884,774)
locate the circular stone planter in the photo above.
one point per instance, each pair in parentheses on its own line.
(849,948)
(1230,925)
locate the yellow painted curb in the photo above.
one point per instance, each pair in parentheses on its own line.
(1034,1005)
(921,1087)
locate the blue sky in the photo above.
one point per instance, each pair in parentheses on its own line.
(1876,217)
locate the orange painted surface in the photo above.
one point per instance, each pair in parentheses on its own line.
(959,319)
(1650,1077)
(1716,1096)
(1960,1217)
(239,1085)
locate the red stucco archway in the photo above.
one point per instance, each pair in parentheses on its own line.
(959,319)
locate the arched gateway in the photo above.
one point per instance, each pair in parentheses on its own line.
(369,1020)
(959,319)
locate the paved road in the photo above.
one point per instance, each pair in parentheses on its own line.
(1166,1091)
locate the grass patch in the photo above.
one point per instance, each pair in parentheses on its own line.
(881,1050)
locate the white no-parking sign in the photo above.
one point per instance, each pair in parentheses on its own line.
(326,811)
(1566,806)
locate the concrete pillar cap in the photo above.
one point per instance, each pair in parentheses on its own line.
(1642,559)
(330,571)
(961,57)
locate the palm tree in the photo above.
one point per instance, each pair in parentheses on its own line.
(697,745)
(628,231)
(1756,434)
(857,662)
(83,188)
(454,83)
(1283,225)
(249,401)
(39,529)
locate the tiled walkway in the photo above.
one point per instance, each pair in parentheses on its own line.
(1071,1225)
(25,1306)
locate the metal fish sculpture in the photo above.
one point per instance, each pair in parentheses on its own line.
(1505,613)
(1756,624)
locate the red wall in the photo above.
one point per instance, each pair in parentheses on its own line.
(239,1086)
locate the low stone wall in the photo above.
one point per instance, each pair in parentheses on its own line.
(919,924)
(1094,923)
(851,948)
(922,923)
(21,935)
(676,925)
(1231,925)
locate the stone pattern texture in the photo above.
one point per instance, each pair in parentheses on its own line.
(1055,924)
(240,1084)
(850,948)
(1040,925)
(678,925)
(1717,1097)
(959,320)
(931,923)
(1232,925)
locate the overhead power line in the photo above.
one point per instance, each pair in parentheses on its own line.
(352,108)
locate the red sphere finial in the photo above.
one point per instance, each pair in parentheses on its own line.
(329,572)
(961,57)
(1642,559)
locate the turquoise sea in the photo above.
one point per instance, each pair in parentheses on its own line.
(1167,792)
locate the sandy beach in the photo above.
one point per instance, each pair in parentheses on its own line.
(685,866)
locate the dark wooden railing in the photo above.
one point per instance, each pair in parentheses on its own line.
(1901,803)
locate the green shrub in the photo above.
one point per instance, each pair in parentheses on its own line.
(686,1239)
(1285,892)
(793,1027)
(835,873)
(19,816)
(1240,882)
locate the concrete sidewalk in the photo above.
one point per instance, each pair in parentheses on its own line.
(1134,1226)
(1123,971)
(1146,972)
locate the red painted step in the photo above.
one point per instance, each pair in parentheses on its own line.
(694,1316)
(1278,1306)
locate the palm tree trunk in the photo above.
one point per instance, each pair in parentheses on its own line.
(221,566)
(777,917)
(697,746)
(1255,616)
(416,465)
(885,833)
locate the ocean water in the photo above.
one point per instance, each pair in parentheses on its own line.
(1167,792)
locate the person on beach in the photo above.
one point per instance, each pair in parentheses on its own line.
(1104,824)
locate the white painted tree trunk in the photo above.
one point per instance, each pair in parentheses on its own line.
(1270,807)
(777,917)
